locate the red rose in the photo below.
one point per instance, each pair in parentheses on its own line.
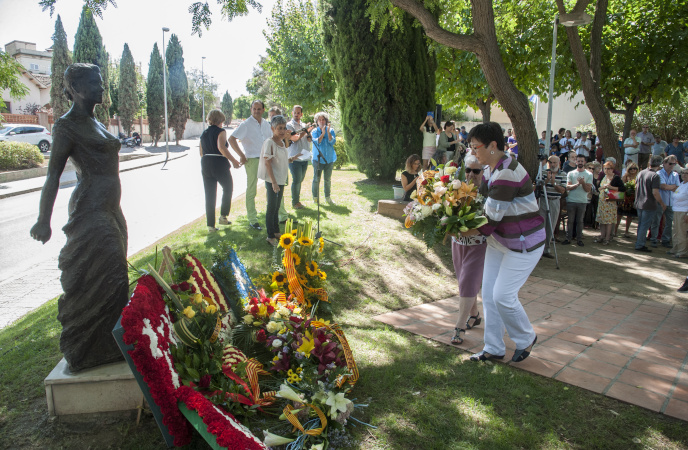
(184,286)
(424,182)
(254,309)
(260,336)
(204,382)
(271,309)
(453,164)
(444,178)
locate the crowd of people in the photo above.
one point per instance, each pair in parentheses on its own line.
(271,150)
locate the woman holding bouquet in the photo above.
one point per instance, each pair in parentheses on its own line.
(515,235)
(468,254)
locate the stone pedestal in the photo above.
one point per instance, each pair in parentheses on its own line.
(392,208)
(103,389)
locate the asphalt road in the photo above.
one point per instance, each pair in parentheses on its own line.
(155,203)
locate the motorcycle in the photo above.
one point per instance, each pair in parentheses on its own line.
(130,142)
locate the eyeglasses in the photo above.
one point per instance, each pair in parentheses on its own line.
(475,171)
(476,147)
(671,164)
(632,170)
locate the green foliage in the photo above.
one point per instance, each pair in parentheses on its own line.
(10,75)
(114,88)
(242,107)
(179,88)
(88,48)
(227,107)
(128,95)
(19,155)
(61,59)
(666,118)
(297,65)
(259,87)
(154,96)
(384,85)
(342,155)
(201,14)
(198,90)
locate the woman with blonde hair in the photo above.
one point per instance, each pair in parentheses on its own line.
(215,159)
(410,175)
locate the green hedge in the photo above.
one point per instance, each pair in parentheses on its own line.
(342,155)
(19,155)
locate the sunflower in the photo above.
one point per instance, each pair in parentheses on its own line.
(305,241)
(302,279)
(279,278)
(322,275)
(294,232)
(322,245)
(296,258)
(312,268)
(287,240)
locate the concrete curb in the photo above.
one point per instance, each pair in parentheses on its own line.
(68,183)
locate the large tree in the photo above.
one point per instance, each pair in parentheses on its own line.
(200,87)
(128,98)
(154,96)
(297,64)
(385,85)
(10,78)
(61,59)
(179,88)
(88,48)
(242,106)
(227,107)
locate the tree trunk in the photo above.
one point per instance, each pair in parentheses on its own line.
(483,42)
(591,86)
(485,107)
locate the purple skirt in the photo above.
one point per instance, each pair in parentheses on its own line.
(468,265)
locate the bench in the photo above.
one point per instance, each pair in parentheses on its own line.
(392,208)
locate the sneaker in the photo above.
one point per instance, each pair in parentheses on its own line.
(213,230)
(330,201)
(643,249)
(548,255)
(683,288)
(223,221)
(256,226)
(566,242)
(298,206)
(580,243)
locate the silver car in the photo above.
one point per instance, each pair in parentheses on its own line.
(33,134)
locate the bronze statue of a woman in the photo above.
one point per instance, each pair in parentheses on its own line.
(93,261)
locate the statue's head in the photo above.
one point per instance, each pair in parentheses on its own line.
(83,81)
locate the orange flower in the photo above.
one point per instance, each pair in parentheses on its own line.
(408,223)
(466,190)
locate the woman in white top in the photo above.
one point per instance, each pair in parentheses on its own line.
(430,132)
(631,148)
(273,168)
(565,146)
(679,202)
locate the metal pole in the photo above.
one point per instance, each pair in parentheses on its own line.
(164,96)
(550,100)
(203,92)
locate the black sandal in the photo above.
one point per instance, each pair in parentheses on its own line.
(520,355)
(477,321)
(457,339)
(484,356)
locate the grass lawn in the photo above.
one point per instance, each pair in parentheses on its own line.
(422,394)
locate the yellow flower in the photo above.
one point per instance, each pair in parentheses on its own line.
(312,268)
(294,232)
(198,298)
(189,312)
(322,245)
(305,241)
(307,344)
(322,275)
(287,240)
(211,309)
(318,323)
(248,319)
(296,258)
(279,278)
(302,279)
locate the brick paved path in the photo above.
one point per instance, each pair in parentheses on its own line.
(630,349)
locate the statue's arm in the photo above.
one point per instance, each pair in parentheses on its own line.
(59,155)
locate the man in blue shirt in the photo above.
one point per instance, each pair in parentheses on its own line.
(668,182)
(676,149)
(324,155)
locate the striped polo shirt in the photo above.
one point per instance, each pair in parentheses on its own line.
(511,208)
(559,180)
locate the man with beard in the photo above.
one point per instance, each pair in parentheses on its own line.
(578,184)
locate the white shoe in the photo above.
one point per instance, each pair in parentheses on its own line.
(329,201)
(223,221)
(212,230)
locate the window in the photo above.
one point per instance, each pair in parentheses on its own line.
(34,67)
(33,130)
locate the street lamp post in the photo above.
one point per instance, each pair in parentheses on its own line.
(164,96)
(567,20)
(203,91)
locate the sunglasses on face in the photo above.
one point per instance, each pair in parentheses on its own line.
(632,170)
(475,171)
(671,164)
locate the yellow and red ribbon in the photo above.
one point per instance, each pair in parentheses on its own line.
(253,397)
(295,421)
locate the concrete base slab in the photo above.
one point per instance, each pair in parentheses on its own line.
(392,208)
(104,389)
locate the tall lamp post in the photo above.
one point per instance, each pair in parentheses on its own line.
(164,96)
(203,91)
(567,20)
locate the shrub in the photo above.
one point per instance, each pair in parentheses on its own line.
(342,155)
(19,155)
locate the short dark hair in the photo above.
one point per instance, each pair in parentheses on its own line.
(448,124)
(258,101)
(581,156)
(485,133)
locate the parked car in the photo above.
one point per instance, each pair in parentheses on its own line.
(33,134)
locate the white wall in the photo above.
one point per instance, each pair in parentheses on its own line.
(34,96)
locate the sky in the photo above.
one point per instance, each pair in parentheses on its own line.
(231,49)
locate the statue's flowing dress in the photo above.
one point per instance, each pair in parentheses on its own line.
(94,259)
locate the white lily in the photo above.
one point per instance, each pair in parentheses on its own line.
(337,403)
(273,440)
(288,393)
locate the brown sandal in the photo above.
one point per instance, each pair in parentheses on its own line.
(457,339)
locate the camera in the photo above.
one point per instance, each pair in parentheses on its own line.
(541,157)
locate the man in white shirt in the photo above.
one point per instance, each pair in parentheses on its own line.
(583,146)
(252,133)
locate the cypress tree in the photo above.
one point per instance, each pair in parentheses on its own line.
(227,107)
(385,85)
(155,106)
(88,48)
(61,59)
(179,88)
(128,100)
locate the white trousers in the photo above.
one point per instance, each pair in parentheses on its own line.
(504,274)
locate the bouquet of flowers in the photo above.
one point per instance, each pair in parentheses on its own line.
(444,203)
(630,186)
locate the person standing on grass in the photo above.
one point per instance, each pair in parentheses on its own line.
(468,255)
(430,132)
(274,160)
(647,199)
(578,185)
(301,149)
(252,133)
(215,159)
(515,236)
(324,156)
